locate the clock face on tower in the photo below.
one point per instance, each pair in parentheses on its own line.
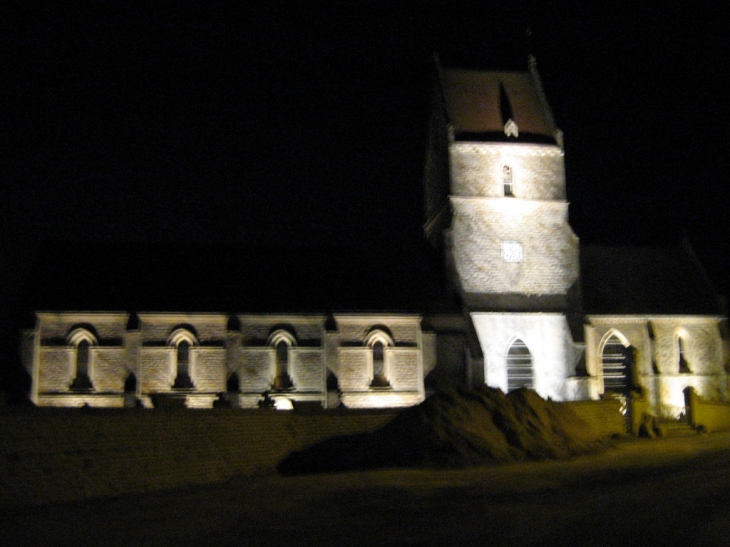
(512,251)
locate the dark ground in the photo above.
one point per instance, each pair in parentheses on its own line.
(641,492)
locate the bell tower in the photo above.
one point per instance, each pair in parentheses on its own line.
(512,255)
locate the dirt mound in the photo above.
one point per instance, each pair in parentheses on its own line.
(454,429)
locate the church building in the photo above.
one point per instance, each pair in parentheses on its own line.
(529,306)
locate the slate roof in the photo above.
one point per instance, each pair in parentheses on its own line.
(476,108)
(633,280)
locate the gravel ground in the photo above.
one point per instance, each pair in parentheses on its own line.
(640,492)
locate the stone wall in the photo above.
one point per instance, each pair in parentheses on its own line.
(354,369)
(603,416)
(404,372)
(256,329)
(218,346)
(256,371)
(209,329)
(53,455)
(108,369)
(707,415)
(353,329)
(548,339)
(106,326)
(57,372)
(654,340)
(155,371)
(548,264)
(208,369)
(537,170)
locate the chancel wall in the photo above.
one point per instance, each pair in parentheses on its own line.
(669,353)
(153,359)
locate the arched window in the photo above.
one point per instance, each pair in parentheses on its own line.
(616,360)
(82,358)
(82,381)
(282,341)
(282,379)
(182,341)
(182,359)
(519,366)
(82,340)
(378,340)
(379,379)
(682,356)
(507,181)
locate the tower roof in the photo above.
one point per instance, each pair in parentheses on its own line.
(479,106)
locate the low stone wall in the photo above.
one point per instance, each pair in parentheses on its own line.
(603,416)
(51,455)
(707,415)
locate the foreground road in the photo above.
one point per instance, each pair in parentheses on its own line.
(642,492)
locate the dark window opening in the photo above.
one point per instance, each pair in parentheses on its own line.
(616,360)
(507,181)
(332,383)
(130,384)
(233,384)
(683,364)
(182,379)
(379,379)
(519,366)
(82,381)
(282,379)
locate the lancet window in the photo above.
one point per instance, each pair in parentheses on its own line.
(82,341)
(282,341)
(507,181)
(616,360)
(183,341)
(377,341)
(682,356)
(519,366)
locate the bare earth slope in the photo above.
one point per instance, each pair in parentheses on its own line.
(454,429)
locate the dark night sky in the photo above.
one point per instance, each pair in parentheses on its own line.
(203,123)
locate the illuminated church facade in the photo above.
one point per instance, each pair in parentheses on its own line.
(532,307)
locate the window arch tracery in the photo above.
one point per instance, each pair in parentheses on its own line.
(377,340)
(282,341)
(519,365)
(82,340)
(616,361)
(182,340)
